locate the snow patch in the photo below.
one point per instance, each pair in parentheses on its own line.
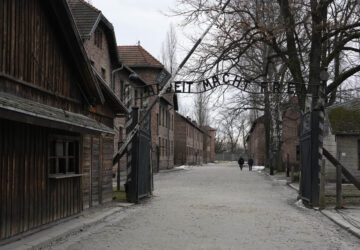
(183,167)
(300,204)
(258,167)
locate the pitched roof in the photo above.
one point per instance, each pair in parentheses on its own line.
(259,120)
(87,19)
(85,16)
(137,56)
(344,118)
(192,123)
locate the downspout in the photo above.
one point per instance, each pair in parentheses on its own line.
(113,76)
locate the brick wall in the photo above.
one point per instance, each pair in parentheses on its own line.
(290,134)
(100,57)
(180,140)
(189,142)
(162,133)
(256,144)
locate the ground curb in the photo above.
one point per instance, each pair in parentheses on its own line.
(341,222)
(333,216)
(170,170)
(292,186)
(54,233)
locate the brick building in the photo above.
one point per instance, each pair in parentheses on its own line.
(209,143)
(98,37)
(162,114)
(290,131)
(256,142)
(189,141)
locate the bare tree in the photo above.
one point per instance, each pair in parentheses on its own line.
(278,40)
(228,126)
(168,50)
(201,109)
(305,35)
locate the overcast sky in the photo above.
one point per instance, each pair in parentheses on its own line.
(138,20)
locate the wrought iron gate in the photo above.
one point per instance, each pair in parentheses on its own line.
(309,155)
(139,171)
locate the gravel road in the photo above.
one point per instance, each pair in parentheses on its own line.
(215,207)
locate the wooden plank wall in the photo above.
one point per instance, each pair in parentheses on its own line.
(34,61)
(29,199)
(107,157)
(86,170)
(97,169)
(31,52)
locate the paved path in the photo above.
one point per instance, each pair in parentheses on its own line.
(215,207)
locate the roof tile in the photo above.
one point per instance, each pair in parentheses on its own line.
(136,56)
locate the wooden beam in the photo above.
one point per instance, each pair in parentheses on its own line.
(345,172)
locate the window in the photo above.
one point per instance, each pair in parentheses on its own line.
(98,38)
(157,125)
(103,73)
(159,117)
(121,134)
(63,155)
(298,152)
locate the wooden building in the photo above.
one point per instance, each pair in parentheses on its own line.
(342,137)
(56,119)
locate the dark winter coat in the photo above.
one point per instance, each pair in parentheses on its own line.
(241,161)
(251,162)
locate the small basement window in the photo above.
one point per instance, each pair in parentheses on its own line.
(63,155)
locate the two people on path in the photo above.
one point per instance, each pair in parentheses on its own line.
(241,163)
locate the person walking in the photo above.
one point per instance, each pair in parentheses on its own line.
(250,163)
(241,163)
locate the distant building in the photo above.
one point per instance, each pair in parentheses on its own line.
(209,144)
(256,142)
(162,114)
(193,145)
(342,137)
(189,141)
(290,132)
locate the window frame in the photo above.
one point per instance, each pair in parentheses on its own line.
(76,157)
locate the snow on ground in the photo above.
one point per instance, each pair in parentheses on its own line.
(258,168)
